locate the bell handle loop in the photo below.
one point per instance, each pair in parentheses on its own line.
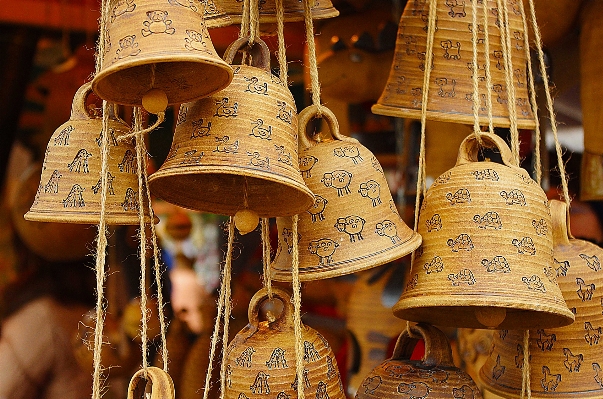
(560,222)
(469,149)
(162,384)
(311,112)
(78,106)
(260,53)
(286,318)
(437,347)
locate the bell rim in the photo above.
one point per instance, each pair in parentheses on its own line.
(284,275)
(539,316)
(294,185)
(99,82)
(92,218)
(497,121)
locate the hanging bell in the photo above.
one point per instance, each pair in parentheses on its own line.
(261,357)
(236,149)
(434,376)
(566,361)
(161,45)
(70,185)
(162,386)
(353,224)
(450,97)
(487,247)
(293,11)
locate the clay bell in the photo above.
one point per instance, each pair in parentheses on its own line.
(163,45)
(450,97)
(70,185)
(162,386)
(237,149)
(434,376)
(487,249)
(566,361)
(353,224)
(293,11)
(261,357)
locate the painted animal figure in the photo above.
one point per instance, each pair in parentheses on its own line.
(277,359)
(545,341)
(461,243)
(464,392)
(96,188)
(489,220)
(339,180)
(371,189)
(260,385)
(226,110)
(321,391)
(306,163)
(525,246)
(498,370)
(284,114)
(414,390)
(434,223)
(130,200)
(245,358)
(324,249)
(562,267)
(52,186)
(199,130)
(461,196)
(519,358)
(387,228)
(127,47)
(452,51)
(534,283)
(540,226)
(550,273)
(352,225)
(288,238)
(80,162)
(310,353)
(549,382)
(157,23)
(317,209)
(446,88)
(306,380)
(572,362)
(435,266)
(350,151)
(283,156)
(463,276)
(260,131)
(486,174)
(370,384)
(592,262)
(254,87)
(128,163)
(75,198)
(257,160)
(223,145)
(497,264)
(63,137)
(457,8)
(121,7)
(598,374)
(196,41)
(513,197)
(593,335)
(585,291)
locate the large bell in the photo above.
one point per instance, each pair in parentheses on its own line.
(237,149)
(353,224)
(450,97)
(434,376)
(231,11)
(566,361)
(260,359)
(70,185)
(487,249)
(153,44)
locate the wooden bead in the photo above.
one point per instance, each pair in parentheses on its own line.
(491,317)
(155,101)
(246,221)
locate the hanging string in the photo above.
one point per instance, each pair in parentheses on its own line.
(227,303)
(315,83)
(549,103)
(487,64)
(525,380)
(266,255)
(140,131)
(474,39)
(299,346)
(245,20)
(144,311)
(254,21)
(280,33)
(101,246)
(533,102)
(505,40)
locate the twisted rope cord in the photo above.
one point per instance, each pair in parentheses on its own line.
(266,255)
(140,131)
(299,341)
(525,380)
(244,31)
(280,33)
(227,303)
(474,39)
(488,72)
(315,82)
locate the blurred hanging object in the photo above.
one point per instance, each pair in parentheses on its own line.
(232,11)
(591,38)
(237,149)
(487,251)
(160,46)
(564,362)
(435,375)
(70,185)
(152,379)
(556,19)
(353,224)
(261,358)
(450,96)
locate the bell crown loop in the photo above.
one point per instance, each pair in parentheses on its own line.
(470,146)
(437,348)
(312,112)
(162,384)
(258,51)
(284,320)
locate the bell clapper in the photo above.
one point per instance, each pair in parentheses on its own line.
(246,221)
(155,101)
(491,317)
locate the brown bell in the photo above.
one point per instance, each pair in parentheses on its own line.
(353,224)
(70,185)
(153,44)
(487,247)
(564,362)
(435,376)
(261,357)
(162,386)
(237,148)
(293,11)
(450,97)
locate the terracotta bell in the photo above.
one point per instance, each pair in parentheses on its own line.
(154,44)
(293,11)
(487,247)
(261,357)
(353,224)
(434,376)
(450,97)
(566,361)
(237,149)
(162,386)
(70,185)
